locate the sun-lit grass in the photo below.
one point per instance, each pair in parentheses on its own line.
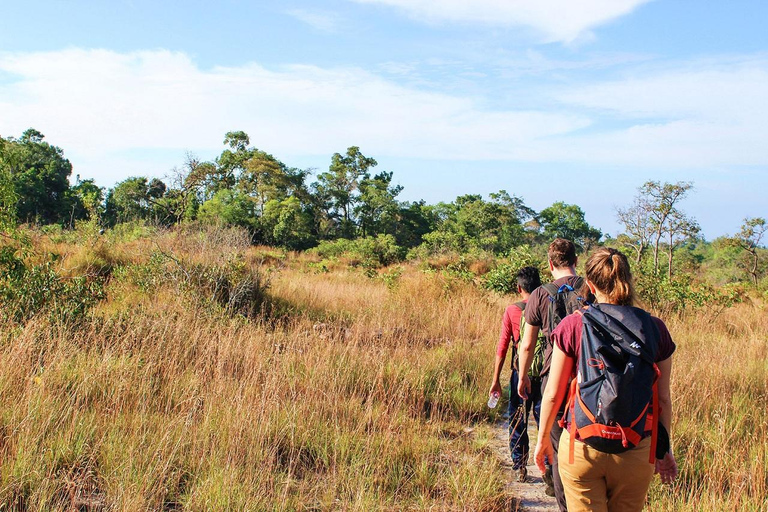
(346,392)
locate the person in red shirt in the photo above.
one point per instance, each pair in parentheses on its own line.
(528,279)
(596,480)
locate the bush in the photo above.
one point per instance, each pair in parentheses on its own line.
(377,251)
(681,293)
(30,290)
(502,278)
(235,286)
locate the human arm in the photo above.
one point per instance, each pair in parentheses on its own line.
(667,466)
(496,383)
(501,351)
(557,386)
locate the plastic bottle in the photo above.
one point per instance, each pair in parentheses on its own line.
(493,400)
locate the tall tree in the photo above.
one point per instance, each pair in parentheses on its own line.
(567,221)
(661,200)
(337,188)
(748,239)
(40,176)
(377,208)
(637,227)
(680,228)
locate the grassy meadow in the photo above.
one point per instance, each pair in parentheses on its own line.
(207,374)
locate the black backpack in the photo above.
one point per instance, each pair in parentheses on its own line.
(613,400)
(563,301)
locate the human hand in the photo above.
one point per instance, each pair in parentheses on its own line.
(543,452)
(667,468)
(524,387)
(495,388)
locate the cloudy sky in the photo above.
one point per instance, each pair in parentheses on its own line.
(550,100)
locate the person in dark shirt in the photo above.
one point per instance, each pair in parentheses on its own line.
(562,264)
(527,280)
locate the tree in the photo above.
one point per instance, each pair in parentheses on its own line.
(637,226)
(336,189)
(287,223)
(748,239)
(231,207)
(8,197)
(660,200)
(138,198)
(87,199)
(680,228)
(39,174)
(377,208)
(567,221)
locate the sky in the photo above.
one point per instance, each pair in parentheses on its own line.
(556,100)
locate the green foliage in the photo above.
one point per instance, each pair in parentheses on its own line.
(682,294)
(337,189)
(377,251)
(229,207)
(138,198)
(502,278)
(37,175)
(567,221)
(473,224)
(286,223)
(29,290)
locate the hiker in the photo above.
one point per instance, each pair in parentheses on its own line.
(608,452)
(547,305)
(511,324)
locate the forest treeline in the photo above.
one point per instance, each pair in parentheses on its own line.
(353,208)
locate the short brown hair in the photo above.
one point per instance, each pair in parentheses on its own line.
(562,253)
(608,270)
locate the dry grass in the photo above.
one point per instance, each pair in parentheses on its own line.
(354,395)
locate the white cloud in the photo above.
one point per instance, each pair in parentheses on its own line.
(98,102)
(557,20)
(121,114)
(321,21)
(698,114)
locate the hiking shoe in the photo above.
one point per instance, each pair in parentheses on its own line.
(549,488)
(522,474)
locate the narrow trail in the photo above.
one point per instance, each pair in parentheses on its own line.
(529,496)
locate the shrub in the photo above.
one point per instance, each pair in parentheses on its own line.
(502,278)
(29,290)
(377,251)
(680,293)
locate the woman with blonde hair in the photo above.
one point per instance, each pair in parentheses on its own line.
(618,360)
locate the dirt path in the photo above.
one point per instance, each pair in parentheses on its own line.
(529,495)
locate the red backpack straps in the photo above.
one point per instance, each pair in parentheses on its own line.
(656,416)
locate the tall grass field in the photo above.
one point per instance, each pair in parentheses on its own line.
(187,370)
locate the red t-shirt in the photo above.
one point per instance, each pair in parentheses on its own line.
(567,337)
(510,329)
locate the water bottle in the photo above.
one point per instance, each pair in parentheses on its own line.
(493,400)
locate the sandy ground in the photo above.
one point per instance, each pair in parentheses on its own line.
(529,495)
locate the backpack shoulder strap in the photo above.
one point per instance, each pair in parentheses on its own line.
(521,305)
(551,290)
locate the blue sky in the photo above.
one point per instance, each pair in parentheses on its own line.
(550,100)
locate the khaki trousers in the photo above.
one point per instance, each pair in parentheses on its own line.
(598,481)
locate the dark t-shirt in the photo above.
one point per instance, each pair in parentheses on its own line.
(537,313)
(538,304)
